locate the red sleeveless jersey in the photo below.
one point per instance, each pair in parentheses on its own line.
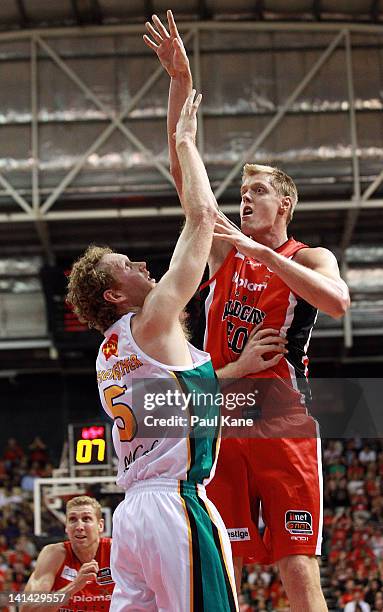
(96,595)
(243,293)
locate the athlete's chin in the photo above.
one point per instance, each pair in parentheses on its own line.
(254,229)
(249,228)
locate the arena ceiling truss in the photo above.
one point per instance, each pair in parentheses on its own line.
(83,116)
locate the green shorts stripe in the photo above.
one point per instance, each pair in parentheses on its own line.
(211,586)
(218,544)
(203,440)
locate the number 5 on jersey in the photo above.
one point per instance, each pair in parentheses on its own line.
(122,413)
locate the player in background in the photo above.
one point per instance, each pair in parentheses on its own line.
(79,567)
(170,547)
(260,276)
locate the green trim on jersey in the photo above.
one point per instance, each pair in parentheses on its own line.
(211,585)
(203,439)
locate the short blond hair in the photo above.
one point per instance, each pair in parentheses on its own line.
(84,500)
(282,183)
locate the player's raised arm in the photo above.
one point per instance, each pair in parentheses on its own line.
(165,302)
(170,50)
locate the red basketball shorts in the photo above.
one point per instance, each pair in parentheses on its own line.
(279,477)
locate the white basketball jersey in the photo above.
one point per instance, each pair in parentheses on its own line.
(126,377)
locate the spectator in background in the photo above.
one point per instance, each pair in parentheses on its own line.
(357,604)
(13,452)
(367,454)
(38,451)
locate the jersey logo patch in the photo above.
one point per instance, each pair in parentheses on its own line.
(299,522)
(104,576)
(238,534)
(69,573)
(110,347)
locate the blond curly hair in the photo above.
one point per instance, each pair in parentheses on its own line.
(87,283)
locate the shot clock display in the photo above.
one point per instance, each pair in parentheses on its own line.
(89,445)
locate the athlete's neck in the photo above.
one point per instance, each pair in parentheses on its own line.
(271,239)
(86,554)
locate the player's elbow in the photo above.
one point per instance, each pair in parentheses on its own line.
(203,213)
(342,304)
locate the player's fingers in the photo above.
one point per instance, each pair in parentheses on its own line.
(255,329)
(188,103)
(172,24)
(197,102)
(153,33)
(271,348)
(269,363)
(268,331)
(150,43)
(273,340)
(222,236)
(226,220)
(159,25)
(222,227)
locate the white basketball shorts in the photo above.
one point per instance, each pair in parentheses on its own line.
(170,551)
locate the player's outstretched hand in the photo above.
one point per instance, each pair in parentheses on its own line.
(226,230)
(87,573)
(187,123)
(255,356)
(167,45)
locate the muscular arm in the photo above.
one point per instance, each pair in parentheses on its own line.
(43,577)
(313,275)
(171,53)
(165,302)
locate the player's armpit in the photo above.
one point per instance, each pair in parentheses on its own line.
(218,253)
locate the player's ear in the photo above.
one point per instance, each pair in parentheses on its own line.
(285,205)
(113,296)
(101,525)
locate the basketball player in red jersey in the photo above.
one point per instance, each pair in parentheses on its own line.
(80,566)
(264,285)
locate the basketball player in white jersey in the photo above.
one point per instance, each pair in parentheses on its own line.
(170,549)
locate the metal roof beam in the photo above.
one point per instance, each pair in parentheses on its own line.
(223,26)
(280,114)
(173,211)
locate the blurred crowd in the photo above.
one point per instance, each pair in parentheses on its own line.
(352,564)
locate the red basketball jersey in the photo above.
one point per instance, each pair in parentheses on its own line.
(93,596)
(243,293)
